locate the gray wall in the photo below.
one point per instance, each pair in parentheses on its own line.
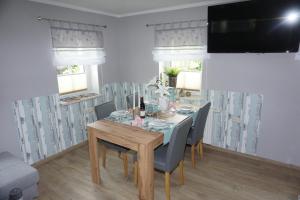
(26,65)
(26,69)
(137,42)
(276,76)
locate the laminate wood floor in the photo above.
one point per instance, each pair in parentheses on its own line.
(219,176)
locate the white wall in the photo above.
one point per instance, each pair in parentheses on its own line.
(26,65)
(276,76)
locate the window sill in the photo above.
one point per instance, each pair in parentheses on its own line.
(79,98)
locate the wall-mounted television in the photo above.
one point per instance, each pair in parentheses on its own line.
(257,26)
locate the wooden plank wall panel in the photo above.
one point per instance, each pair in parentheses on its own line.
(44,122)
(45,127)
(234,120)
(252,121)
(64,123)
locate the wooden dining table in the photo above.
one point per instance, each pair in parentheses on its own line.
(142,141)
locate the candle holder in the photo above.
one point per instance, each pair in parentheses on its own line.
(135,111)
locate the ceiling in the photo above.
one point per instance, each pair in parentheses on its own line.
(123,8)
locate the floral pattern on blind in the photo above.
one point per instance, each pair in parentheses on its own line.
(75,35)
(180,34)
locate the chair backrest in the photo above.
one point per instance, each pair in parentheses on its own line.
(104,110)
(129,100)
(200,122)
(177,144)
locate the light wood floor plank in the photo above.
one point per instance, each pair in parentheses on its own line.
(219,176)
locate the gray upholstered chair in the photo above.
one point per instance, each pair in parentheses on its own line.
(129,100)
(103,111)
(168,157)
(195,137)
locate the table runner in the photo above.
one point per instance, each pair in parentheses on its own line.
(192,114)
(167,132)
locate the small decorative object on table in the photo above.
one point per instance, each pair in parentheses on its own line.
(152,108)
(162,92)
(163,103)
(172,106)
(137,121)
(134,112)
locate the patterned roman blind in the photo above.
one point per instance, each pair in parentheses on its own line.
(181,34)
(180,41)
(75,35)
(76,43)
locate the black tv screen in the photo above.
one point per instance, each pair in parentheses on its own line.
(258,26)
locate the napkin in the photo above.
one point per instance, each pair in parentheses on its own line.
(137,121)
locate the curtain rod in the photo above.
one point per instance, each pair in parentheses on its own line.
(48,19)
(196,20)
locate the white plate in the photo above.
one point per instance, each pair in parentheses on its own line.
(185,110)
(119,113)
(186,107)
(158,124)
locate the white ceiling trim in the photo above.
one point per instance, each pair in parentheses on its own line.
(203,3)
(66,5)
(170,8)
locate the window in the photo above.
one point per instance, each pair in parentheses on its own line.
(190,75)
(71,79)
(78,52)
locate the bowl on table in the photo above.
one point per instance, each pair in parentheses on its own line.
(185,110)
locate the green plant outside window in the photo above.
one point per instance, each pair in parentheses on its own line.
(73,69)
(172,71)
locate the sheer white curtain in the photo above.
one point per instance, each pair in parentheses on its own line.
(79,56)
(75,43)
(179,53)
(180,41)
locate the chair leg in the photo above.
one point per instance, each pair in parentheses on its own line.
(103,156)
(200,149)
(125,163)
(136,173)
(181,172)
(193,156)
(167,185)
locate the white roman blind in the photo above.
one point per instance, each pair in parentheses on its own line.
(180,41)
(76,43)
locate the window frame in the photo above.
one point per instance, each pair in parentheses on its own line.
(72,74)
(164,64)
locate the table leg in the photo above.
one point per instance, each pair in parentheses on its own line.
(146,172)
(93,149)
